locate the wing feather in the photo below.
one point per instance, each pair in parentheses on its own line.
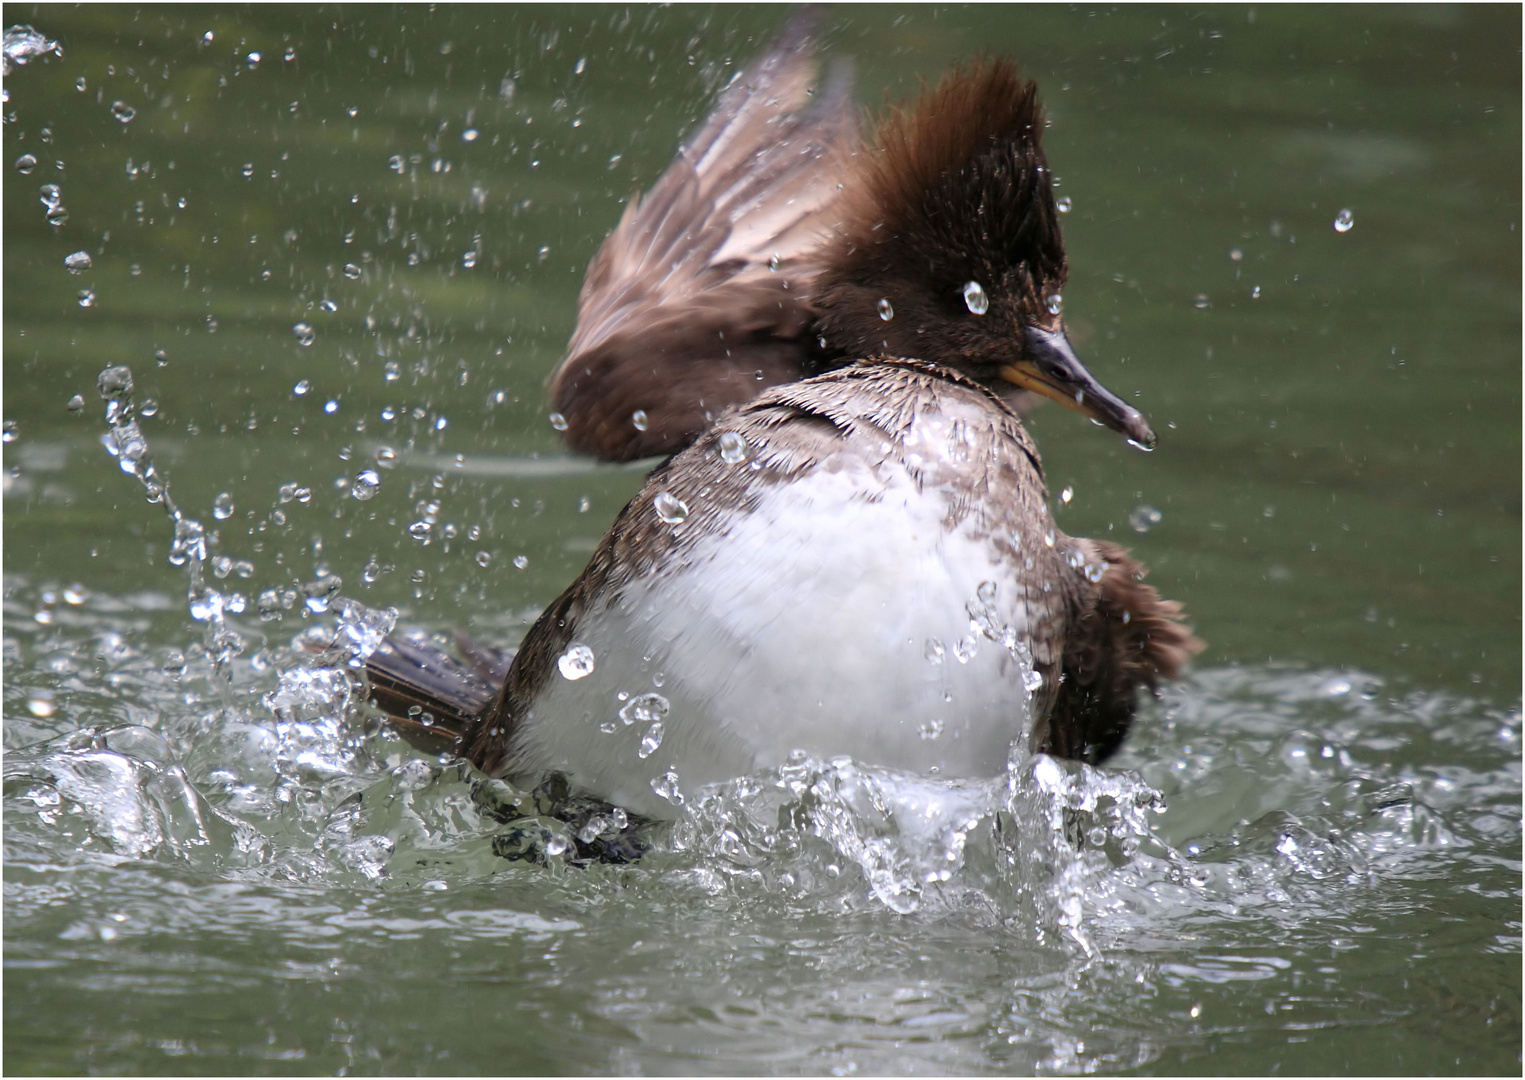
(699,298)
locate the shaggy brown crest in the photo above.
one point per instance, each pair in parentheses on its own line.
(956,190)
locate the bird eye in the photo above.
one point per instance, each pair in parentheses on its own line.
(975,299)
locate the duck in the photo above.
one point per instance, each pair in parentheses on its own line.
(848,548)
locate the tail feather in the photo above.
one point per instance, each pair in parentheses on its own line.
(431,694)
(491,664)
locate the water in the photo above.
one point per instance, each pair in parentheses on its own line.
(1305,860)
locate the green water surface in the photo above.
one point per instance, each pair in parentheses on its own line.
(1337,485)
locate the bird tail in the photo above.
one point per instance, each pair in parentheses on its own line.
(429,694)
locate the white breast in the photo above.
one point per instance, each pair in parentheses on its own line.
(834,619)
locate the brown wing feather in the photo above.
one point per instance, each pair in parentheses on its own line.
(698,299)
(1125,637)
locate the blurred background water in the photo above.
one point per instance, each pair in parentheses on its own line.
(339,250)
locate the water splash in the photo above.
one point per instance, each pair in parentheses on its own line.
(190,547)
(22,44)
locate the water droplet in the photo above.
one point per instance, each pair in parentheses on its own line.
(161,358)
(975,299)
(469,260)
(87,298)
(1063,205)
(304,334)
(651,739)
(1032,681)
(9,433)
(558,421)
(576,663)
(931,729)
(40,703)
(78,262)
(521,561)
(640,419)
(76,403)
(386,457)
(670,508)
(886,310)
(254,58)
(666,786)
(1235,255)
(1201,302)
(1142,518)
(483,559)
(222,506)
(1055,304)
(1344,221)
(470,135)
(352,271)
(115,382)
(580,66)
(57,215)
(934,650)
(774,262)
(1066,495)
(330,407)
(367,483)
(25,164)
(733,448)
(1048,538)
(543,254)
(420,531)
(301,388)
(645,709)
(75,595)
(1255,293)
(123,112)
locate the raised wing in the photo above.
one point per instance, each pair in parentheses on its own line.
(698,299)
